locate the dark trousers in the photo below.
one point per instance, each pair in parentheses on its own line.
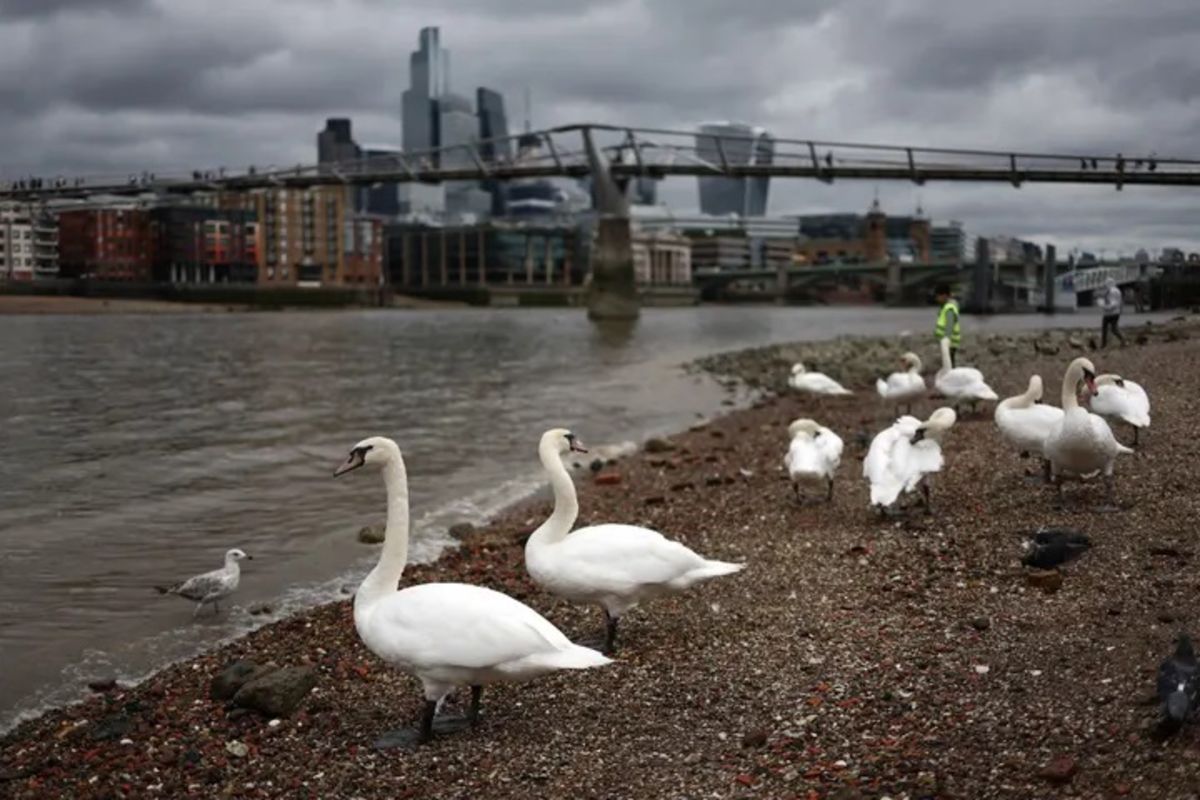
(953,356)
(1110,321)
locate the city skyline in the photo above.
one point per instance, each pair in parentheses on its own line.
(197,91)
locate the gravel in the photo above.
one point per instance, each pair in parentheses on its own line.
(853,658)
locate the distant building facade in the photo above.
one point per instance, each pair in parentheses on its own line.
(734,143)
(112,243)
(494,144)
(873,238)
(336,145)
(661,258)
(201,245)
(28,242)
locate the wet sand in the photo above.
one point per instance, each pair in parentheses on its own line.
(854,657)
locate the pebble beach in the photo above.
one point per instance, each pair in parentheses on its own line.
(854,657)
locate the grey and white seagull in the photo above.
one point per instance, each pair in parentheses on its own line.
(210,587)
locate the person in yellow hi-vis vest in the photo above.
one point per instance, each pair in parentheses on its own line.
(947,320)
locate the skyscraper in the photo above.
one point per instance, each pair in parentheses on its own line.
(734,143)
(428,68)
(335,144)
(494,143)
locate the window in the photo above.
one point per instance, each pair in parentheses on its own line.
(271,272)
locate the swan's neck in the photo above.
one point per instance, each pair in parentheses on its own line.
(1070,400)
(383,580)
(566,506)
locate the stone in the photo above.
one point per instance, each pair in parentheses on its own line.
(981,623)
(714,480)
(607,479)
(371,534)
(1059,771)
(755,738)
(461,530)
(655,500)
(277,693)
(259,609)
(114,727)
(657,445)
(235,675)
(237,749)
(1048,580)
(103,685)
(680,487)
(596,464)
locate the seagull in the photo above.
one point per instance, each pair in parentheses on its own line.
(210,587)
(1177,685)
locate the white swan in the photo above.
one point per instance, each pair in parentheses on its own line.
(1118,398)
(902,456)
(813,455)
(1024,421)
(1081,443)
(210,587)
(446,634)
(613,566)
(902,388)
(961,383)
(814,382)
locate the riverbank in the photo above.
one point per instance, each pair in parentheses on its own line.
(852,658)
(67,304)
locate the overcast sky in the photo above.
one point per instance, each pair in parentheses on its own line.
(91,86)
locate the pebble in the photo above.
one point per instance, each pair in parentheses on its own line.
(103,685)
(1060,770)
(237,749)
(371,534)
(607,479)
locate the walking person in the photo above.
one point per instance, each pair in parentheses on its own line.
(947,325)
(1110,304)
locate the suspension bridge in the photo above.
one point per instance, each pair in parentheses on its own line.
(612,155)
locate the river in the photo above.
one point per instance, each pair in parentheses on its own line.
(136,449)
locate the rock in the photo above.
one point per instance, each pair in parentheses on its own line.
(692,759)
(655,500)
(103,685)
(607,479)
(461,530)
(235,675)
(679,487)
(714,480)
(1060,771)
(277,693)
(657,445)
(981,623)
(1048,580)
(1074,341)
(259,609)
(237,749)
(113,727)
(371,534)
(596,464)
(755,738)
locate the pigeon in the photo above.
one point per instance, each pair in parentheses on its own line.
(1051,547)
(1178,682)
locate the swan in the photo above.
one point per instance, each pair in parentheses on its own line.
(902,388)
(901,456)
(814,382)
(446,634)
(1118,398)
(961,383)
(210,587)
(1025,422)
(613,566)
(813,455)
(1081,443)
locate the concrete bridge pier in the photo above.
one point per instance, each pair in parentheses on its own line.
(1049,280)
(612,292)
(893,294)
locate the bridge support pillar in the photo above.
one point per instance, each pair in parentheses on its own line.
(1049,280)
(781,283)
(981,277)
(612,293)
(893,294)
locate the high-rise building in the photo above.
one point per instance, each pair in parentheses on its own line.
(428,70)
(335,145)
(494,144)
(457,133)
(734,143)
(382,199)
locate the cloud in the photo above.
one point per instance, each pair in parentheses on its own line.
(118,86)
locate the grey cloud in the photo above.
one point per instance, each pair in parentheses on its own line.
(124,85)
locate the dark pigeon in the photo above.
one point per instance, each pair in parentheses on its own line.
(1054,546)
(1178,683)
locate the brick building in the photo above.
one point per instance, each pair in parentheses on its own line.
(194,244)
(115,243)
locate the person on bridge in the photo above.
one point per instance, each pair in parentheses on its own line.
(1110,303)
(947,320)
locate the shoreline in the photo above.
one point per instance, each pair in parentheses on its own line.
(30,305)
(750,695)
